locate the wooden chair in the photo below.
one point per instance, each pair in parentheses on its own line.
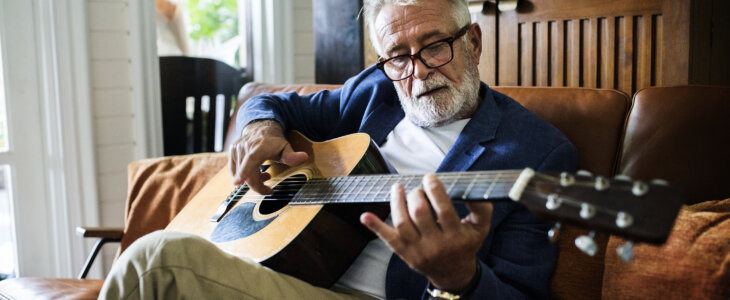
(194,119)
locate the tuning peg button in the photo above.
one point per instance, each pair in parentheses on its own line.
(566,179)
(586,244)
(584,173)
(622,177)
(624,219)
(554,233)
(661,182)
(626,251)
(587,211)
(553,202)
(602,183)
(640,189)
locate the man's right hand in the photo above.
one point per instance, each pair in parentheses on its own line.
(260,141)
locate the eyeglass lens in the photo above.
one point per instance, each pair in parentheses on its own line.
(433,56)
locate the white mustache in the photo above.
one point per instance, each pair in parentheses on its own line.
(423,86)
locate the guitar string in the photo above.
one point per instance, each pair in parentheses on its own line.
(318,195)
(379,197)
(297,184)
(375,179)
(284,188)
(386,177)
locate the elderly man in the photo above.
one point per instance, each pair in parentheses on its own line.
(424,105)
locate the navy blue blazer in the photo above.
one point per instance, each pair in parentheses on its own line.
(516,258)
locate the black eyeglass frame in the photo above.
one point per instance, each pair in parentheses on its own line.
(450,40)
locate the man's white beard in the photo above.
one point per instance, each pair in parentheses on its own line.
(446,106)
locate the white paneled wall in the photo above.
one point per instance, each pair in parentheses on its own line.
(110,64)
(303,42)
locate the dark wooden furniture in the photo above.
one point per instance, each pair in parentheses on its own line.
(193,119)
(338,37)
(626,45)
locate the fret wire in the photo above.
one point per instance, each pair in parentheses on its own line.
(382,187)
(454,181)
(491,186)
(370,196)
(408,183)
(346,188)
(334,184)
(358,194)
(471,185)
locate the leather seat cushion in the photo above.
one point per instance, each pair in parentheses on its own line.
(50,288)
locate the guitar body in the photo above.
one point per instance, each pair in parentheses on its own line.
(315,243)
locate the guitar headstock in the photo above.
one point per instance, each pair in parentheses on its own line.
(636,210)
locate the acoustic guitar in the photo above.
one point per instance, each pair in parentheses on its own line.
(309,227)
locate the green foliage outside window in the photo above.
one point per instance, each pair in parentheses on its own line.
(213,20)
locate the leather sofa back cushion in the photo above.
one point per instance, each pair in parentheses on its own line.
(693,264)
(680,134)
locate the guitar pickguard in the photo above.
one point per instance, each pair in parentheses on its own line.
(238,223)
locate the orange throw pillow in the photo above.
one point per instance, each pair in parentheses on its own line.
(694,263)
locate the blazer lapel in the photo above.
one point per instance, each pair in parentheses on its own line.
(381,121)
(481,129)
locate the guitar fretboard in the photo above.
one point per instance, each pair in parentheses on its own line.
(476,185)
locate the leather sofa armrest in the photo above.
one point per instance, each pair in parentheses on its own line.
(100,232)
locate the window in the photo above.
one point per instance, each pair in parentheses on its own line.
(7,241)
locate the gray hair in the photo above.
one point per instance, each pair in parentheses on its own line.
(371,9)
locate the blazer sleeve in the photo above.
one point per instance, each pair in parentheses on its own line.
(322,115)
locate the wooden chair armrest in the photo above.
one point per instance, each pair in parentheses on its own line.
(115,233)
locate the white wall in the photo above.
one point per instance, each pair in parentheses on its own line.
(111,96)
(303,42)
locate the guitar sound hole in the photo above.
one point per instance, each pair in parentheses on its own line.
(283,193)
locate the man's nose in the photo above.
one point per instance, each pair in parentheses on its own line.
(421,71)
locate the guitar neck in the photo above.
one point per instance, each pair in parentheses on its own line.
(474,185)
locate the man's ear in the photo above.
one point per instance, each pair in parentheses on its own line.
(474,38)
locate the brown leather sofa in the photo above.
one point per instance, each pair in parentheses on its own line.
(674,133)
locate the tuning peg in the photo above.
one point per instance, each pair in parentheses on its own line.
(661,182)
(553,202)
(640,189)
(622,177)
(601,183)
(626,251)
(586,243)
(624,219)
(584,173)
(587,211)
(566,179)
(554,233)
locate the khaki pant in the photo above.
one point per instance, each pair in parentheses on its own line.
(172,265)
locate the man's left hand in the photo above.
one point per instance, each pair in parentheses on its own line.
(440,246)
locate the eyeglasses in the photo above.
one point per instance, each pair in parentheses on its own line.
(433,55)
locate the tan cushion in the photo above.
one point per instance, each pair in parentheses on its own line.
(50,288)
(160,187)
(693,264)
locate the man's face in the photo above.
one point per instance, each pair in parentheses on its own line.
(432,96)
